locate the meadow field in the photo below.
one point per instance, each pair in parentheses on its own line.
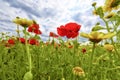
(27,57)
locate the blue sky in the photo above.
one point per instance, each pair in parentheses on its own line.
(50,14)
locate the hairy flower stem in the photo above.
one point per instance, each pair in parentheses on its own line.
(108,29)
(28,52)
(91,61)
(62,72)
(18,31)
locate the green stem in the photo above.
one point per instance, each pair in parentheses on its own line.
(28,52)
(62,73)
(108,29)
(18,33)
(48,77)
(106,23)
(29,57)
(91,61)
(115,29)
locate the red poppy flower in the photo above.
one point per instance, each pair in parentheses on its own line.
(53,35)
(73,27)
(37,31)
(22,40)
(61,30)
(70,30)
(11,41)
(33,41)
(83,50)
(71,34)
(34,28)
(30,29)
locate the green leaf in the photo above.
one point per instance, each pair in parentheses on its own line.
(37,37)
(27,33)
(100,12)
(116,19)
(97,27)
(24,31)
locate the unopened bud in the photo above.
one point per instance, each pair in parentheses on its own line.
(94,4)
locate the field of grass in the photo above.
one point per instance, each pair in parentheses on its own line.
(50,62)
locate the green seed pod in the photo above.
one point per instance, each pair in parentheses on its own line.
(63,79)
(28,76)
(94,4)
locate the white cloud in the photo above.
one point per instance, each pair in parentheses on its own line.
(50,14)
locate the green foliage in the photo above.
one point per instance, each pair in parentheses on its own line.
(97,28)
(55,63)
(100,12)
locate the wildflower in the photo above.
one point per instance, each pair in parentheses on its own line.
(111,4)
(111,14)
(109,47)
(70,30)
(11,41)
(33,41)
(96,37)
(61,30)
(53,35)
(23,22)
(22,40)
(37,31)
(78,71)
(83,50)
(34,28)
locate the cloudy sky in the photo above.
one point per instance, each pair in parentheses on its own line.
(50,14)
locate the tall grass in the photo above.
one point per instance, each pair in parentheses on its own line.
(55,63)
